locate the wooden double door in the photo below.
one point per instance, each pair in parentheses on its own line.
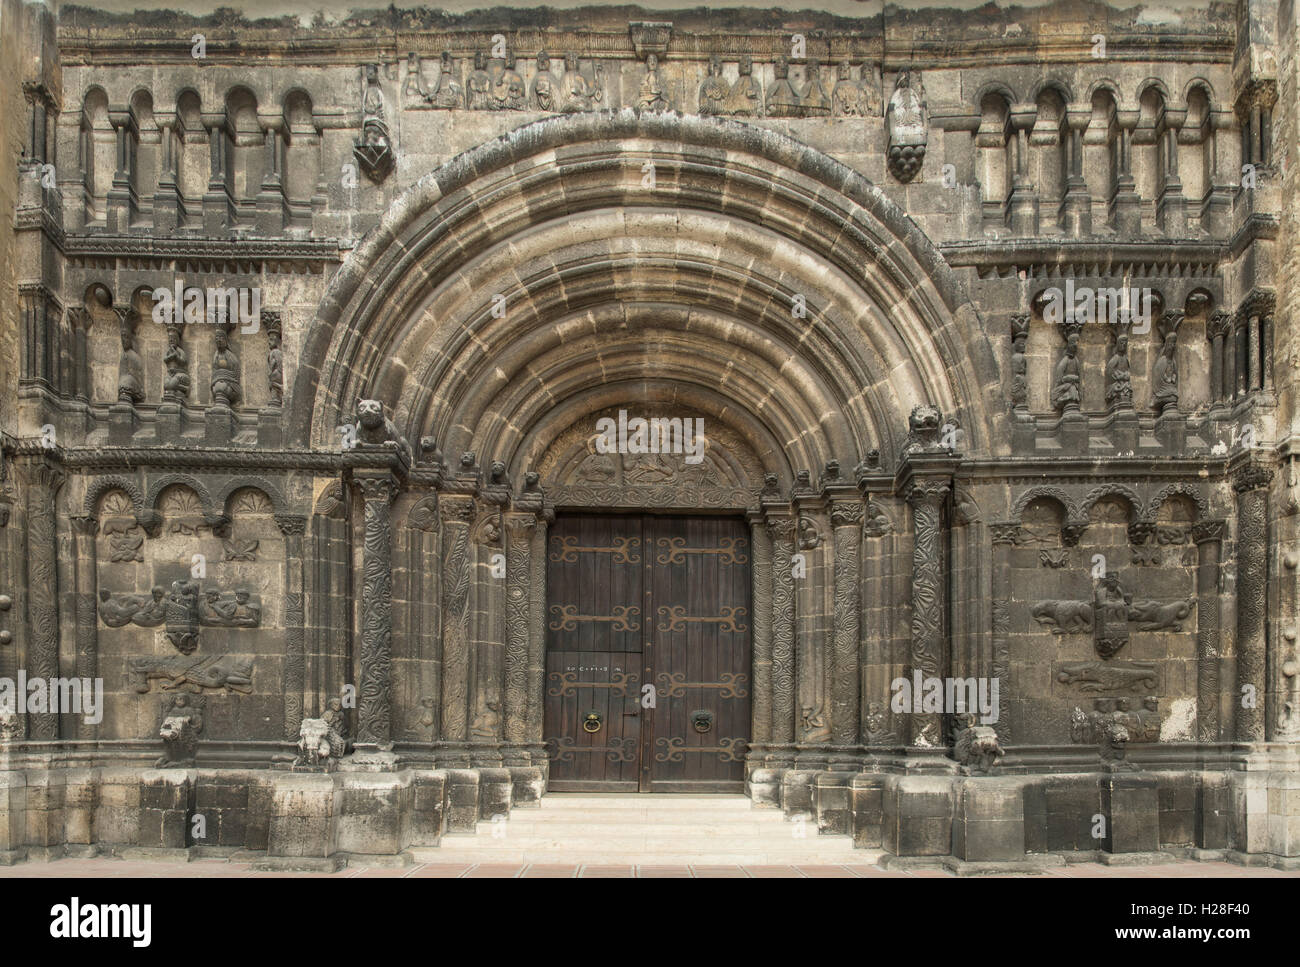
(647,653)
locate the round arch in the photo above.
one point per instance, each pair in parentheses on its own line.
(587,256)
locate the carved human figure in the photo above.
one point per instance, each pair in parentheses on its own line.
(413,88)
(714,90)
(907,126)
(130,372)
(814,102)
(545,89)
(225,371)
(847,100)
(176,385)
(579,93)
(782,101)
(652,96)
(1119,386)
(507,86)
(1164,375)
(447,94)
(1019,362)
(478,88)
(1066,378)
(274,367)
(1111,605)
(745,99)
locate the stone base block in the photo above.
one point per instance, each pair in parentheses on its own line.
(918,815)
(494,791)
(797,794)
(462,801)
(764,787)
(526,787)
(866,797)
(1131,807)
(832,794)
(990,820)
(304,811)
(374,813)
(300,864)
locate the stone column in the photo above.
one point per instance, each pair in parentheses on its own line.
(783,710)
(293,527)
(42,583)
(1076,204)
(1208,535)
(761,703)
(1216,332)
(374,699)
(1251,484)
(84,530)
(457,511)
(537,629)
(519,580)
(928,499)
(1004,537)
(846,525)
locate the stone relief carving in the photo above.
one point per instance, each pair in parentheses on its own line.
(225,386)
(145,610)
(176,384)
(375,429)
(976,746)
(1095,676)
(546,91)
(182,723)
(130,372)
(652,96)
(877,725)
(1164,374)
(745,99)
(907,126)
(875,523)
(815,728)
(1119,383)
(274,359)
(1066,378)
(813,101)
(581,91)
(1099,725)
(853,99)
(714,90)
(320,745)
(1108,615)
(374,152)
(192,674)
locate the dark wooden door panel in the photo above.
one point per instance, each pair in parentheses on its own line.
(700,653)
(636,600)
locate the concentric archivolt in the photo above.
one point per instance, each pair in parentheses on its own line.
(534,281)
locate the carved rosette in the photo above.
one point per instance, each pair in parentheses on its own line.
(783,532)
(846,528)
(927,500)
(374,700)
(457,513)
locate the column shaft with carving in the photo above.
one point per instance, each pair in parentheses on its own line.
(43,483)
(519,577)
(1004,538)
(783,709)
(537,631)
(457,514)
(929,595)
(1208,535)
(846,526)
(293,527)
(761,576)
(374,699)
(87,662)
(1251,485)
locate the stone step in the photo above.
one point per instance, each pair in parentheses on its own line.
(641,858)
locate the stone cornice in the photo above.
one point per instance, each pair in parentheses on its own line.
(168,248)
(1087,258)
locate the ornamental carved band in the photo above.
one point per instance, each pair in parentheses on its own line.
(43,483)
(846,520)
(457,513)
(1251,483)
(782,630)
(374,710)
(519,567)
(928,598)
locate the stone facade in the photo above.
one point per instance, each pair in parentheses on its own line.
(984,313)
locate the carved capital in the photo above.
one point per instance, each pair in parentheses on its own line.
(424,514)
(456,509)
(84,526)
(932,492)
(43,475)
(782,528)
(1219,324)
(1252,476)
(291,525)
(1005,533)
(846,513)
(520,526)
(1208,530)
(376,487)
(1020,325)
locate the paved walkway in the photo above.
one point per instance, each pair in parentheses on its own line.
(116,868)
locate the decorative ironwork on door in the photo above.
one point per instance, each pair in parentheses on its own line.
(648,654)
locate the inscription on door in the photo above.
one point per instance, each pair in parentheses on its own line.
(648,653)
